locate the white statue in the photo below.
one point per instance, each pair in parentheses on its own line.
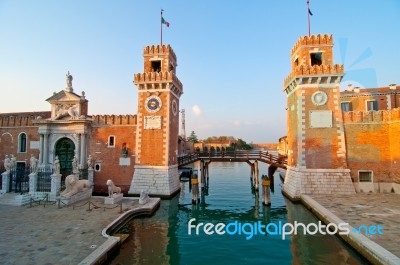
(74,164)
(73,185)
(56,166)
(7,163)
(13,162)
(144,197)
(90,162)
(112,188)
(33,164)
(69,79)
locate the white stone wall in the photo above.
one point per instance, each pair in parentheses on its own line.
(317,181)
(157,180)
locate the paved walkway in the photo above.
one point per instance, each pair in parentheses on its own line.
(368,209)
(50,235)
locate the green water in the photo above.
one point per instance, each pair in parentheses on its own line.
(164,239)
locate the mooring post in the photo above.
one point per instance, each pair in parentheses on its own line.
(266,196)
(195,189)
(256,171)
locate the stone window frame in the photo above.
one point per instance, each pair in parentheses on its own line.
(350,104)
(364,171)
(367,104)
(109,140)
(97,166)
(20,142)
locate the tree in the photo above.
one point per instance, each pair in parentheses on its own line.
(193,137)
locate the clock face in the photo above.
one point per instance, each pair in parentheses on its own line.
(153,104)
(174,107)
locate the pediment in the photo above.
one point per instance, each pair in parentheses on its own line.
(64,96)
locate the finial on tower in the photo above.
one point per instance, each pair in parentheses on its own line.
(69,79)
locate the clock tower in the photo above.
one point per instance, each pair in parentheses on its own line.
(159,90)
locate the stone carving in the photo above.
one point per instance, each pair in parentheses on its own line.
(124,150)
(112,188)
(74,164)
(73,185)
(144,197)
(7,163)
(56,166)
(33,164)
(66,110)
(90,162)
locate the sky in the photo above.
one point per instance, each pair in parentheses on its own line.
(232,55)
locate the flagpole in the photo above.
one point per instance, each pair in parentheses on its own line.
(161,27)
(308,12)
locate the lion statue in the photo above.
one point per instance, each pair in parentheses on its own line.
(112,188)
(73,185)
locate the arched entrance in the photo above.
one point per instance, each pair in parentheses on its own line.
(65,150)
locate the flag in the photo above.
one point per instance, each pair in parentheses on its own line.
(309,11)
(163,21)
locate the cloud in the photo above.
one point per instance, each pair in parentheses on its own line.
(196,110)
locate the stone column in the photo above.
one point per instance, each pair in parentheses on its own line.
(83,150)
(32,183)
(91,175)
(5,181)
(41,150)
(78,151)
(46,149)
(55,185)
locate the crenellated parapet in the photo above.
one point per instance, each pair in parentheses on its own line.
(381,116)
(319,39)
(158,80)
(22,119)
(99,120)
(159,49)
(306,70)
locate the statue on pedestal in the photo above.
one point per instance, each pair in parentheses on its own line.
(69,79)
(75,164)
(73,185)
(7,163)
(90,162)
(33,164)
(112,188)
(56,166)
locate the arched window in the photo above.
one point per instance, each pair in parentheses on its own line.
(22,143)
(111,141)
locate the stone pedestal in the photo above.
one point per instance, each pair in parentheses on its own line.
(157,180)
(116,198)
(91,175)
(316,181)
(5,182)
(55,184)
(85,194)
(32,183)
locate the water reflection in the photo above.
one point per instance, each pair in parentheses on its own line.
(163,238)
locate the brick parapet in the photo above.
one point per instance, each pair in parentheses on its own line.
(99,120)
(159,49)
(381,116)
(22,119)
(319,39)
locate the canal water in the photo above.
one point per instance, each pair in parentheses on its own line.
(164,237)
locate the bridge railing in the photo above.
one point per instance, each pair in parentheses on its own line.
(261,155)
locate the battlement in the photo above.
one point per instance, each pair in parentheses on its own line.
(22,119)
(151,77)
(114,119)
(319,39)
(158,50)
(381,116)
(306,70)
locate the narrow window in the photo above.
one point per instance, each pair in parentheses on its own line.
(316,58)
(372,105)
(22,143)
(365,176)
(346,106)
(111,141)
(296,62)
(156,66)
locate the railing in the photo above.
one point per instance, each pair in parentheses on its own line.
(44,180)
(277,160)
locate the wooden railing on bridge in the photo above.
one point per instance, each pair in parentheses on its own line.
(235,156)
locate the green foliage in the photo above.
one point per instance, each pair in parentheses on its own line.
(193,137)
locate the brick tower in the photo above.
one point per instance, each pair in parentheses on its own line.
(159,90)
(316,145)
